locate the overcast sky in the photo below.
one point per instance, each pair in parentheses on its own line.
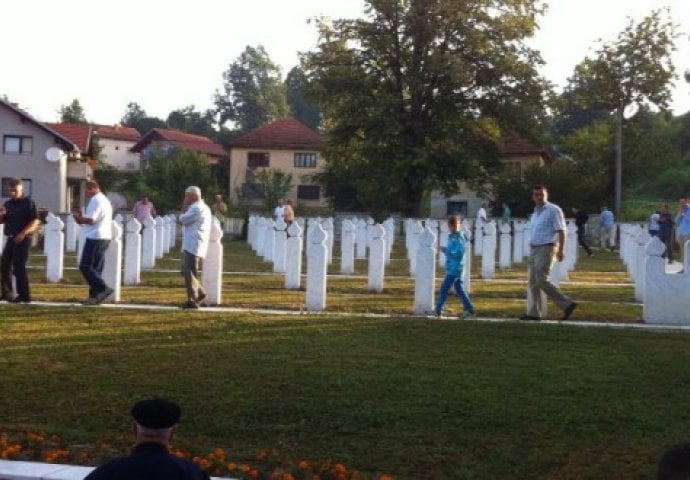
(166,55)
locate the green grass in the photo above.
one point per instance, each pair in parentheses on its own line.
(415,398)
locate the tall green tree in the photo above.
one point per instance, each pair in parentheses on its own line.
(635,69)
(168,173)
(419,94)
(190,120)
(136,117)
(72,113)
(253,91)
(276,185)
(301,107)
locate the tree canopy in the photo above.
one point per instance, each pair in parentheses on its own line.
(420,94)
(301,107)
(72,113)
(253,91)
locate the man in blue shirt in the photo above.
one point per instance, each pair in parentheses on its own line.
(607,230)
(547,242)
(683,226)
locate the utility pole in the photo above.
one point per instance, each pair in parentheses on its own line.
(618,180)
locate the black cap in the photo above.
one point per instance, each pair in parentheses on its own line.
(156,413)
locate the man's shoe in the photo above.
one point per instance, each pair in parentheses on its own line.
(569,310)
(200,296)
(19,299)
(100,297)
(191,304)
(90,301)
(467,316)
(529,318)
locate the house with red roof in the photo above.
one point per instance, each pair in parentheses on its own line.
(48,162)
(517,154)
(286,145)
(161,139)
(116,143)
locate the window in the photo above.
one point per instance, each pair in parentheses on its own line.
(308,192)
(305,160)
(455,208)
(257,159)
(17,145)
(26,182)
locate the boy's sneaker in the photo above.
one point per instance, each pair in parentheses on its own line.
(467,316)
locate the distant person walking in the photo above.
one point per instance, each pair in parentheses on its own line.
(154,425)
(547,244)
(289,212)
(481,215)
(683,226)
(654,223)
(506,214)
(196,219)
(143,209)
(581,224)
(455,259)
(666,230)
(607,230)
(219,209)
(96,223)
(20,216)
(279,211)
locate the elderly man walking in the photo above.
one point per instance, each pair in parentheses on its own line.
(547,243)
(196,219)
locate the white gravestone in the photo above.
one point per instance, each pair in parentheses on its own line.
(442,242)
(504,257)
(329,227)
(317,264)
(172,231)
(488,243)
(518,249)
(43,228)
(425,273)
(377,258)
(478,238)
(112,270)
(361,239)
(119,219)
(132,274)
(212,273)
(269,240)
(280,246)
(55,242)
(71,234)
(293,264)
(251,231)
(467,270)
(389,225)
(571,244)
(416,230)
(260,236)
(149,242)
(2,236)
(666,299)
(159,236)
(165,247)
(526,239)
(347,247)
(640,262)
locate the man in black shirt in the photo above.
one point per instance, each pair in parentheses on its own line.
(155,423)
(21,219)
(581,223)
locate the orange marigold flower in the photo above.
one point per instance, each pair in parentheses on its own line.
(253,473)
(288,476)
(244,468)
(262,455)
(340,468)
(385,477)
(303,465)
(232,466)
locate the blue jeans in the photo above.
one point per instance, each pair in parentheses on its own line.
(456,282)
(91,264)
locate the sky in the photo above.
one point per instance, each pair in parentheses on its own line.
(166,55)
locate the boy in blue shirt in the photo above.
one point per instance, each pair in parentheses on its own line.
(455,259)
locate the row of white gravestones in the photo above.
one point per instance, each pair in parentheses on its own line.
(666,298)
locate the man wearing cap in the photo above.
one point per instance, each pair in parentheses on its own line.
(155,423)
(21,219)
(196,219)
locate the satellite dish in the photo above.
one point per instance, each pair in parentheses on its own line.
(54,154)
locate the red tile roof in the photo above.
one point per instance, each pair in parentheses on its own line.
(79,134)
(283,134)
(187,141)
(518,147)
(117,132)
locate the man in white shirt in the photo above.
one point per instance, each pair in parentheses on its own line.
(546,242)
(481,215)
(196,218)
(279,212)
(96,224)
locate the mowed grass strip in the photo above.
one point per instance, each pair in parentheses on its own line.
(418,398)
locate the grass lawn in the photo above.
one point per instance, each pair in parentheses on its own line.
(417,398)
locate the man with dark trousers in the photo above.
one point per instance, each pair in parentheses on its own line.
(155,423)
(20,217)
(581,224)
